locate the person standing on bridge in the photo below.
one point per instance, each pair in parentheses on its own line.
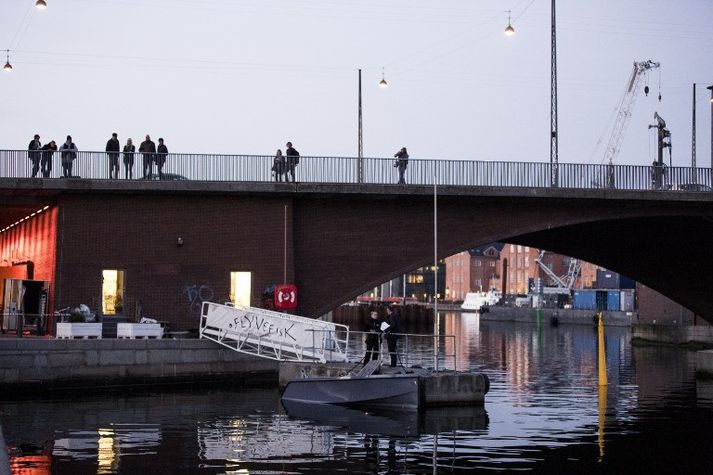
(33,151)
(278,165)
(161,157)
(293,159)
(148,149)
(48,150)
(129,150)
(372,328)
(112,150)
(68,151)
(401,163)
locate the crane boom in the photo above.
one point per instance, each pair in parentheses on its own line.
(625,108)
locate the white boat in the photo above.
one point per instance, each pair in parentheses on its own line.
(474,301)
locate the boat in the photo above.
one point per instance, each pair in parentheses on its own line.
(374,391)
(475,301)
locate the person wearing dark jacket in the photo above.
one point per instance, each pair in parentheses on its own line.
(372,328)
(292,160)
(161,154)
(392,333)
(112,149)
(48,150)
(68,151)
(34,153)
(401,163)
(148,149)
(129,150)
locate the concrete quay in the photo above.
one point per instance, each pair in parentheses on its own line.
(675,335)
(562,315)
(29,366)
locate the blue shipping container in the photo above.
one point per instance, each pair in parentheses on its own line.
(584,299)
(613,300)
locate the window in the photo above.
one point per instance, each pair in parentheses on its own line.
(415,279)
(113,285)
(492,263)
(241,288)
(478,263)
(519,248)
(527,262)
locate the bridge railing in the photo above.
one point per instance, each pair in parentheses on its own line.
(344,170)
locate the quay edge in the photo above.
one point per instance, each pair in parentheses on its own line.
(31,367)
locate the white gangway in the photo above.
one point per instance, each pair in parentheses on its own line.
(274,335)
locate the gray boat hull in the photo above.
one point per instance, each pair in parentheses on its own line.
(380,391)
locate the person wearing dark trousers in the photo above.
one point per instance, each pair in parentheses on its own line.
(401,163)
(34,153)
(148,149)
(392,333)
(112,150)
(161,158)
(372,328)
(129,150)
(68,151)
(292,160)
(48,150)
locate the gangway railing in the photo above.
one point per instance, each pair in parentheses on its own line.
(273,335)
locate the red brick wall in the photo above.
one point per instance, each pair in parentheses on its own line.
(139,233)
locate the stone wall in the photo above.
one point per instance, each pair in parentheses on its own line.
(34,364)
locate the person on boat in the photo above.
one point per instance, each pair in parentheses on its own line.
(372,328)
(392,333)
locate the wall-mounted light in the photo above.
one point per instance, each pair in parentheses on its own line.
(179,241)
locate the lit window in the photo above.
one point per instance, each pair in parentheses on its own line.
(113,285)
(519,248)
(478,263)
(241,288)
(527,262)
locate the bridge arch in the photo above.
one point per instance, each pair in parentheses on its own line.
(368,240)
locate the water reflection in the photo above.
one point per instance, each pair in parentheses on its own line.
(545,410)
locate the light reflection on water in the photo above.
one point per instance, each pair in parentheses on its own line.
(543,412)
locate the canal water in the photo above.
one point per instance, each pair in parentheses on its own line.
(545,413)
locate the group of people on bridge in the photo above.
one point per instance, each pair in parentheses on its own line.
(41,156)
(283,166)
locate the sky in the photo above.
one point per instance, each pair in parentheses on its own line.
(246,76)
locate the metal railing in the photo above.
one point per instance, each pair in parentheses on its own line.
(412,349)
(344,170)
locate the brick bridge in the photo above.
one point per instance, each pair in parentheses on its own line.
(341,239)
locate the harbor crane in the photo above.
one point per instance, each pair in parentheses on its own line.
(626,107)
(567,281)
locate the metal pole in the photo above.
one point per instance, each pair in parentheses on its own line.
(693,136)
(554,156)
(284,260)
(360,146)
(710,88)
(436,320)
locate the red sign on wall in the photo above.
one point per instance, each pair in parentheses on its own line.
(285,296)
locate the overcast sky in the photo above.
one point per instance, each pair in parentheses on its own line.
(245,76)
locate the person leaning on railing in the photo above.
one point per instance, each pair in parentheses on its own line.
(33,152)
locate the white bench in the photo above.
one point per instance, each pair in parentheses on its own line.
(67,330)
(139,330)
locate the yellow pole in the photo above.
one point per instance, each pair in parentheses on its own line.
(602,353)
(602,419)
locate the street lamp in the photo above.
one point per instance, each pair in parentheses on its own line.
(554,155)
(710,88)
(509,30)
(383,84)
(8,66)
